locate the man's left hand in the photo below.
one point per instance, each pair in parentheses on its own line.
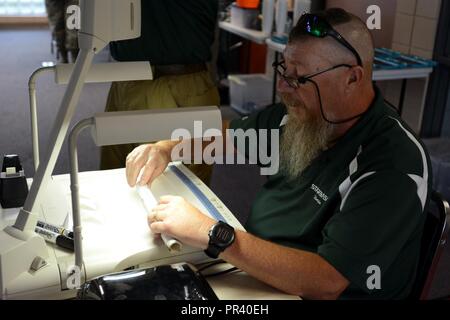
(176,217)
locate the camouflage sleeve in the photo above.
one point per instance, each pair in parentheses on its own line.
(55,13)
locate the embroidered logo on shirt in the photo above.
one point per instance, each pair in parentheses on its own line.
(319,196)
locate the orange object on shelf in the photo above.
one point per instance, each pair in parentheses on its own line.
(253,58)
(248,4)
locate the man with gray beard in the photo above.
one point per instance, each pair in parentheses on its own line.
(344,216)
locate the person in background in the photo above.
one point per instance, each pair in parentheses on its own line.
(66,40)
(176,39)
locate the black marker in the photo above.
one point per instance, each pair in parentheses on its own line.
(58,239)
(55,229)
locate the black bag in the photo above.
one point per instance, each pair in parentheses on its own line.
(168,282)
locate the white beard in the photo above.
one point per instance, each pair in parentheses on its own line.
(301,143)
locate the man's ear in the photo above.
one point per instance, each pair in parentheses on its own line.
(355,77)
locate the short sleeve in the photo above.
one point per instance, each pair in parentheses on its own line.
(379,224)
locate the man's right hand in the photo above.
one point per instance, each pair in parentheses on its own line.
(151,159)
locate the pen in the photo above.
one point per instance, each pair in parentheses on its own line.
(58,239)
(55,229)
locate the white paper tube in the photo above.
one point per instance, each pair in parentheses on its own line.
(149,202)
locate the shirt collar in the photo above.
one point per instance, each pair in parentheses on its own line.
(354,136)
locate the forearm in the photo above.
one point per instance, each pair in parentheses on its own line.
(193,146)
(290,270)
(167,146)
(148,161)
(293,271)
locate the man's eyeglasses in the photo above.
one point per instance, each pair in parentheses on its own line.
(280,69)
(317,26)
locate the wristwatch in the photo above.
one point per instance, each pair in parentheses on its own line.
(221,236)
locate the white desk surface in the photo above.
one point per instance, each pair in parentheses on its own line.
(233,286)
(238,285)
(378,75)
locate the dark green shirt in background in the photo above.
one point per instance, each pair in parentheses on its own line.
(359,204)
(173,32)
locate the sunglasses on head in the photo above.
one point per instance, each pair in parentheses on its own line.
(317,26)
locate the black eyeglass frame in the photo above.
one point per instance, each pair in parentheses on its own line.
(296,82)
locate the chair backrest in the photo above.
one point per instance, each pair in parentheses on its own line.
(435,234)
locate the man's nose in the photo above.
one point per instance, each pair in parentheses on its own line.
(283,86)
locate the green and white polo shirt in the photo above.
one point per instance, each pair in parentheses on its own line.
(359,204)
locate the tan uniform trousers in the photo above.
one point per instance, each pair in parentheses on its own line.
(189,90)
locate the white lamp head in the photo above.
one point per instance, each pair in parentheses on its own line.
(156,124)
(103,21)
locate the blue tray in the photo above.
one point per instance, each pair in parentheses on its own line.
(391,59)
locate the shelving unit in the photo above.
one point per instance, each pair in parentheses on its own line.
(249,34)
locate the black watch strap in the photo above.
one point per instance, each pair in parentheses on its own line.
(213,251)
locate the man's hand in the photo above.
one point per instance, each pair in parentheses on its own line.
(152,159)
(177,218)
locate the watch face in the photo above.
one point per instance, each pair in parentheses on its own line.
(222,234)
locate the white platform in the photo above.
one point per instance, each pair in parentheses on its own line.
(115,231)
